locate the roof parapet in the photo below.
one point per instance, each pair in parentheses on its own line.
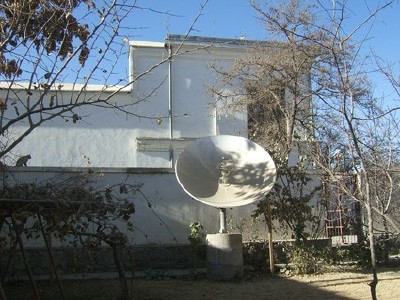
(199,40)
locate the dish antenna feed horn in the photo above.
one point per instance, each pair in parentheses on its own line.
(225,171)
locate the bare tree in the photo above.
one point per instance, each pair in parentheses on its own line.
(312,41)
(344,106)
(272,81)
(382,155)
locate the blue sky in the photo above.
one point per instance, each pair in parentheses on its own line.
(220,18)
(235,18)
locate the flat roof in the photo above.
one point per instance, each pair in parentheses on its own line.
(147,44)
(209,40)
(197,41)
(60,86)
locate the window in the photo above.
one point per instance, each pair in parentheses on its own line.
(265,113)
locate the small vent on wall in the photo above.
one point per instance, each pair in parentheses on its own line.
(162,144)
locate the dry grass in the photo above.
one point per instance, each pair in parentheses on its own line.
(341,284)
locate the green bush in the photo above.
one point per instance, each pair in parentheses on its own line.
(195,238)
(256,255)
(305,258)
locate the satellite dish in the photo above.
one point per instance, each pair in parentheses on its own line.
(225,171)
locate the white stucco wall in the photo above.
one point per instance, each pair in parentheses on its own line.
(170,101)
(172,210)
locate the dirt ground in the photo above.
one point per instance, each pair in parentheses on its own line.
(341,284)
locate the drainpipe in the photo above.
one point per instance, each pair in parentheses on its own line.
(171,133)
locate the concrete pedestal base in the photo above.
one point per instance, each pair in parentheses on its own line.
(224,256)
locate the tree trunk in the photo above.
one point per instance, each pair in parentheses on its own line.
(25,259)
(386,245)
(9,260)
(371,238)
(2,293)
(121,273)
(270,239)
(53,270)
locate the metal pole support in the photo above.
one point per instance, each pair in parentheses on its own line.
(222,220)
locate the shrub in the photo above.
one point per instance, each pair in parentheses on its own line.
(305,258)
(195,238)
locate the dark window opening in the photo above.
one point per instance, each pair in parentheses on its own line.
(265,113)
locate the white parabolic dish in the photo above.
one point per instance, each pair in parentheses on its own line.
(225,171)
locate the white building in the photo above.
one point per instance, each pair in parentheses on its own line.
(171,100)
(172,105)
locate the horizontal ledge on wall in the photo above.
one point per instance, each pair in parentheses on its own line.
(89,170)
(151,144)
